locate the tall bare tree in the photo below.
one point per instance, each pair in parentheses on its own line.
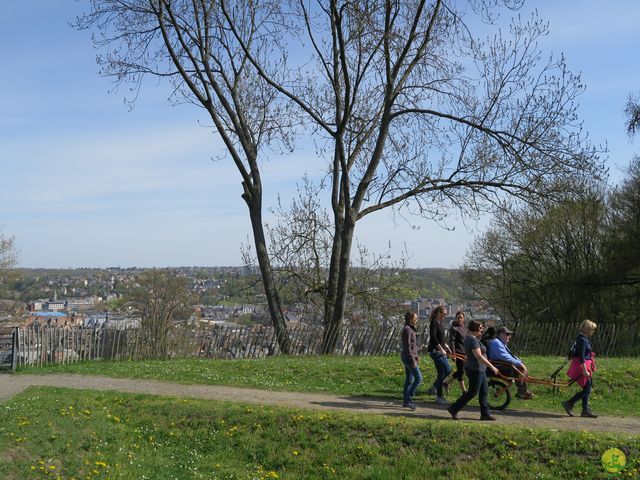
(189,44)
(420,112)
(415,106)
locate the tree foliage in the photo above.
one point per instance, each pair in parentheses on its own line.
(564,262)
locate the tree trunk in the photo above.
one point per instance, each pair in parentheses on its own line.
(341,277)
(253,199)
(332,280)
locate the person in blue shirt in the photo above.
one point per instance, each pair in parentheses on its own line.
(508,364)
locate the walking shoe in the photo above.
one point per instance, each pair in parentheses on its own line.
(568,407)
(588,413)
(488,418)
(410,405)
(454,416)
(441,401)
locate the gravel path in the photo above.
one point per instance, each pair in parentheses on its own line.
(11,385)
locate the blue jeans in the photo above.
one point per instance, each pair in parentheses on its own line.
(413,379)
(443,369)
(477,385)
(583,395)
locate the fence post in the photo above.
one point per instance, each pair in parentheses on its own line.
(14,349)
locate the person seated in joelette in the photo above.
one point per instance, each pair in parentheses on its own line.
(507,362)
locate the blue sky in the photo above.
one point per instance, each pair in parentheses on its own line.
(87,182)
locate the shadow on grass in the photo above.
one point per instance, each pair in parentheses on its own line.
(393,407)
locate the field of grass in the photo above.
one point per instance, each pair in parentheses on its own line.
(62,434)
(616,383)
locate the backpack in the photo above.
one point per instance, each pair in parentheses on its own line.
(489,334)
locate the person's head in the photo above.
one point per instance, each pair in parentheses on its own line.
(438,313)
(504,333)
(475,327)
(410,318)
(459,320)
(587,327)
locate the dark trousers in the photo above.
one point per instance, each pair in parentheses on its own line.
(583,395)
(459,373)
(511,371)
(477,386)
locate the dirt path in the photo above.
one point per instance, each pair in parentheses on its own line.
(11,385)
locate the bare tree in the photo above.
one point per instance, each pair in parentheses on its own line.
(411,105)
(8,255)
(160,298)
(8,262)
(301,241)
(189,44)
(420,113)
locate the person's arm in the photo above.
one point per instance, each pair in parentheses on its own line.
(499,352)
(441,345)
(482,359)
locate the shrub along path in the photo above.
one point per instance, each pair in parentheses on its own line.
(11,385)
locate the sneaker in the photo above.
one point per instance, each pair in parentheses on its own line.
(588,413)
(441,401)
(410,405)
(454,416)
(431,390)
(568,407)
(488,418)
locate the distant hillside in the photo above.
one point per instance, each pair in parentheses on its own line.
(236,284)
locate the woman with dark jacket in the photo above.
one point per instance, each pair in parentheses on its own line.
(438,350)
(581,369)
(457,332)
(410,359)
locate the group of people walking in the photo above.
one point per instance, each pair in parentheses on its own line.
(473,358)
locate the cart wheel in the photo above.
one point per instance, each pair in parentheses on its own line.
(499,395)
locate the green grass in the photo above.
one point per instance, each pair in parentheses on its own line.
(59,433)
(616,382)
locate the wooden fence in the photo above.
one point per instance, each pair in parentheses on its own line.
(44,345)
(610,339)
(7,349)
